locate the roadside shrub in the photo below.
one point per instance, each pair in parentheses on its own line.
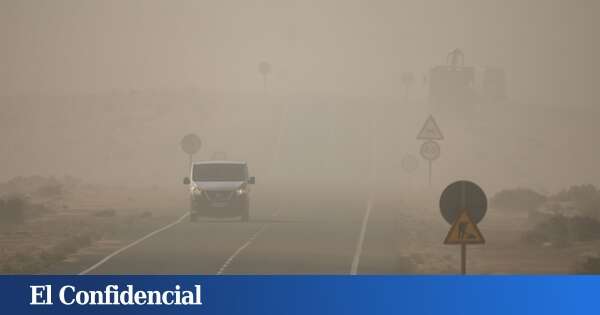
(72,244)
(518,199)
(554,230)
(105,213)
(577,193)
(561,231)
(35,262)
(36,209)
(32,263)
(12,210)
(50,191)
(590,207)
(589,265)
(586,199)
(584,229)
(146,214)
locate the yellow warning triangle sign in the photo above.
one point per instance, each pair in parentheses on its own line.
(464,231)
(430,130)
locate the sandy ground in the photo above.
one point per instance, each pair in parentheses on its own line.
(75,225)
(505,251)
(420,231)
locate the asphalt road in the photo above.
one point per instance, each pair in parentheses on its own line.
(349,233)
(285,237)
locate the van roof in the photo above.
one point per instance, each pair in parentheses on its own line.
(218,162)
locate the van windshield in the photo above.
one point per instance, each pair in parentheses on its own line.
(219,172)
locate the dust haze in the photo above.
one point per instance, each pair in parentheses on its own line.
(103,91)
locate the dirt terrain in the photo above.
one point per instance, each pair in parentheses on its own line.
(91,221)
(505,250)
(83,216)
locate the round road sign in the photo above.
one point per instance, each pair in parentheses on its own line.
(410,163)
(191,143)
(463,195)
(430,150)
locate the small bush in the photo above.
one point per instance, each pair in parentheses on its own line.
(146,214)
(561,231)
(554,230)
(584,229)
(12,210)
(518,199)
(50,191)
(72,244)
(588,265)
(586,199)
(590,207)
(32,262)
(577,193)
(105,213)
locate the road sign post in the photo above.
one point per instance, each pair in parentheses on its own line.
(430,130)
(464,232)
(430,149)
(191,144)
(463,204)
(264,68)
(463,259)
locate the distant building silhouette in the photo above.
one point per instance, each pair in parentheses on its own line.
(456,85)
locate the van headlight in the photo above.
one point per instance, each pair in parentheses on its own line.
(241,191)
(195,190)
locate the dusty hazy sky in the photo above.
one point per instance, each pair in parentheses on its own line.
(548,47)
(336,64)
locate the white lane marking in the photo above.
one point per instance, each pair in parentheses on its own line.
(239,250)
(122,249)
(276,161)
(365,221)
(361,239)
(248,243)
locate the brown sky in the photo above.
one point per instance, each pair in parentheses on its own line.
(548,47)
(104,90)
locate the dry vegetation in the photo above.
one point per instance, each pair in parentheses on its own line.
(525,238)
(44,220)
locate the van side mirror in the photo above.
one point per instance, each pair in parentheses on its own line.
(186,181)
(252,180)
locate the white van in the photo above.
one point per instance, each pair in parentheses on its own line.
(219,189)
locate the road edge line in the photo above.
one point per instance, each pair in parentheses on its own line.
(128,246)
(240,250)
(361,239)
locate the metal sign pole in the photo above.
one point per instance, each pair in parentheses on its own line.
(463,246)
(463,204)
(190,144)
(463,259)
(430,173)
(264,68)
(430,150)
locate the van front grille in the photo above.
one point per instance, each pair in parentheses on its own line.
(219,195)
